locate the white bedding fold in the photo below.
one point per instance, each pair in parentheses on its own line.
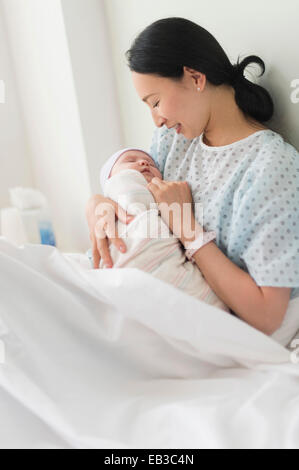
(118,358)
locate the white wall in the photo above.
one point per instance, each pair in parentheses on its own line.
(267,29)
(90,51)
(15,166)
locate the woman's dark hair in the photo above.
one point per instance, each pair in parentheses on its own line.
(169,44)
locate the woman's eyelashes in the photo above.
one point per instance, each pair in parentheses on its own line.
(156,104)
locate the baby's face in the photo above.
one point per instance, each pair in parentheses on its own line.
(137,160)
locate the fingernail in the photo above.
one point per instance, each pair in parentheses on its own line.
(122,248)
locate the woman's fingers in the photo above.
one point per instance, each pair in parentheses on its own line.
(96,256)
(101,214)
(95,252)
(112,234)
(105,232)
(102,242)
(125,218)
(104,250)
(122,215)
(108,212)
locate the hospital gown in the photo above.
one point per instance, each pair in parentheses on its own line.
(248,192)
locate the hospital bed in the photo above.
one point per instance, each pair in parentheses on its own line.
(119,359)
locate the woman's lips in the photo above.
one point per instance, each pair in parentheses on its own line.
(178,128)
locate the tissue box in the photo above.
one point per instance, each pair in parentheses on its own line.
(35,215)
(38,227)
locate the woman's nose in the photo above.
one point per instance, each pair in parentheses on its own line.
(159,121)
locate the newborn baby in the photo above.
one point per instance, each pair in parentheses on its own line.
(151,246)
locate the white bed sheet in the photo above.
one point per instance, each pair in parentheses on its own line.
(120,359)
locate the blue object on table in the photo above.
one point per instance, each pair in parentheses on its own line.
(46,231)
(89,255)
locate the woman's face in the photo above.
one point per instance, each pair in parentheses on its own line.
(137,160)
(173,103)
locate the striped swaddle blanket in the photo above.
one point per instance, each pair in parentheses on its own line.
(151,246)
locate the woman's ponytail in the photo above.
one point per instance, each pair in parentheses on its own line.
(252,99)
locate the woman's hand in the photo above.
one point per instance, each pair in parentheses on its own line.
(180,217)
(101,214)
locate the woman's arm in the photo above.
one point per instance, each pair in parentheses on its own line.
(261,307)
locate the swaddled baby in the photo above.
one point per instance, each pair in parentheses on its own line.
(151,246)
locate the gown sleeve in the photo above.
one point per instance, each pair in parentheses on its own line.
(266,222)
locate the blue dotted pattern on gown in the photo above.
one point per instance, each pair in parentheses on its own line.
(248,192)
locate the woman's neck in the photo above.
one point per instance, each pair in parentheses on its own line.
(227,123)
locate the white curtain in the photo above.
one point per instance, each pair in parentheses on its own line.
(63,75)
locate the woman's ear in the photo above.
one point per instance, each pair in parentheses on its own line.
(190,70)
(198,78)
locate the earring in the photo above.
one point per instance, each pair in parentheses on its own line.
(198,89)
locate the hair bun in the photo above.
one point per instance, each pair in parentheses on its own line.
(237,74)
(239,67)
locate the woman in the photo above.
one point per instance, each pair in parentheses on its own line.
(211,135)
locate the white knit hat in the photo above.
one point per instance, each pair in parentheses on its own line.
(107,167)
